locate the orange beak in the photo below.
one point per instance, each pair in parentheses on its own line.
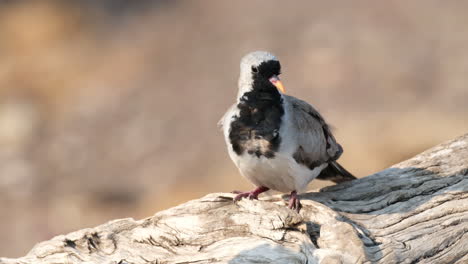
(279,85)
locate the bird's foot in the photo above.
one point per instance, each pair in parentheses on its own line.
(251,195)
(294,202)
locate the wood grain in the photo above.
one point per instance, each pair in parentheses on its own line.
(414,212)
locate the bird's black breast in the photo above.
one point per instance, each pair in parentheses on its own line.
(255,129)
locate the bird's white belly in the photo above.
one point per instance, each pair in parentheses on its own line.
(280,173)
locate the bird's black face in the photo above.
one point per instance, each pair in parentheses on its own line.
(266,70)
(266,75)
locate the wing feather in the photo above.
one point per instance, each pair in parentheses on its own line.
(316,143)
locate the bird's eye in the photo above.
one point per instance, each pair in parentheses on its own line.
(254,69)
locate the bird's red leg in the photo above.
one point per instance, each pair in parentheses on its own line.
(251,195)
(294,202)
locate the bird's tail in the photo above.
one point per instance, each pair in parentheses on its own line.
(336,173)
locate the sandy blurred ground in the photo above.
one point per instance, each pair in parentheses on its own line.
(108,109)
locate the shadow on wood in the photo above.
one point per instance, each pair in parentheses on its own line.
(414,212)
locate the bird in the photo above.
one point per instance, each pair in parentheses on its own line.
(277,141)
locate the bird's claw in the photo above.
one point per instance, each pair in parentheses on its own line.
(294,202)
(253,195)
(250,195)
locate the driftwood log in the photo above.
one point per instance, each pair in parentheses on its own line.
(413,212)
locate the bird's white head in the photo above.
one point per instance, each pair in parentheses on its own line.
(259,65)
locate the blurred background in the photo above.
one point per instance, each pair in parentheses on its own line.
(108,109)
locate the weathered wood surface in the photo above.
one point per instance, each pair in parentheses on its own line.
(413,212)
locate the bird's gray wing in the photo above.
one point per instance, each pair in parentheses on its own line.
(315,142)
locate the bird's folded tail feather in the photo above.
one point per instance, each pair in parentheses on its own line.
(336,173)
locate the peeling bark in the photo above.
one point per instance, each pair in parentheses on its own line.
(414,212)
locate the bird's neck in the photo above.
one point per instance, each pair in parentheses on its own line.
(245,86)
(258,90)
(261,102)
